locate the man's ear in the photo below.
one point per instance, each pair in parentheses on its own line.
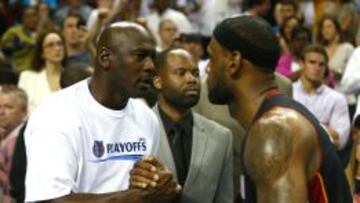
(235,62)
(104,57)
(157,82)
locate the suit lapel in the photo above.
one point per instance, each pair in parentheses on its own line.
(197,151)
(164,151)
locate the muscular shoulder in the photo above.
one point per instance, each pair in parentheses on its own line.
(280,138)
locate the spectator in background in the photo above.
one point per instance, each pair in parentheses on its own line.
(103,9)
(349,18)
(13,112)
(72,7)
(256,7)
(46,22)
(7,74)
(288,64)
(284,9)
(286,30)
(288,8)
(328,105)
(338,51)
(130,11)
(74,73)
(192,43)
(161,11)
(47,64)
(168,33)
(77,43)
(18,41)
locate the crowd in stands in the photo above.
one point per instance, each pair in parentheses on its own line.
(46,45)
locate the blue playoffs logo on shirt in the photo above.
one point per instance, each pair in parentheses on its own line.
(119,150)
(98,148)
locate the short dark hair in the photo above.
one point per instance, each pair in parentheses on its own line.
(22,11)
(190,38)
(315,48)
(300,30)
(73,74)
(253,37)
(248,4)
(38,62)
(290,3)
(160,58)
(81,22)
(8,77)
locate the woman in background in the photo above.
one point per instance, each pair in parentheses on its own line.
(338,51)
(47,64)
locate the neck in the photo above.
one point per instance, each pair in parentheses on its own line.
(333,43)
(175,114)
(308,86)
(73,49)
(9,129)
(165,45)
(53,68)
(247,102)
(102,93)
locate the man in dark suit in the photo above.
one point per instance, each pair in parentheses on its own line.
(198,151)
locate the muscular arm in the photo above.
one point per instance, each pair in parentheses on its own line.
(277,156)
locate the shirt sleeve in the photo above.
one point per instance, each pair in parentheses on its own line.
(340,120)
(52,159)
(350,81)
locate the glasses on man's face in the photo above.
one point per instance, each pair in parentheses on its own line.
(51,45)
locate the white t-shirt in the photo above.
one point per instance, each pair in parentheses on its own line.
(74,144)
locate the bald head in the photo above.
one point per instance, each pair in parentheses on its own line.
(170,55)
(124,60)
(178,81)
(120,32)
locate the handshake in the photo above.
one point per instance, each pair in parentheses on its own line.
(153,181)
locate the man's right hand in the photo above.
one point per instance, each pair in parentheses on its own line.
(155,180)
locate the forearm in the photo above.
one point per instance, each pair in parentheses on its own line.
(334,136)
(128,196)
